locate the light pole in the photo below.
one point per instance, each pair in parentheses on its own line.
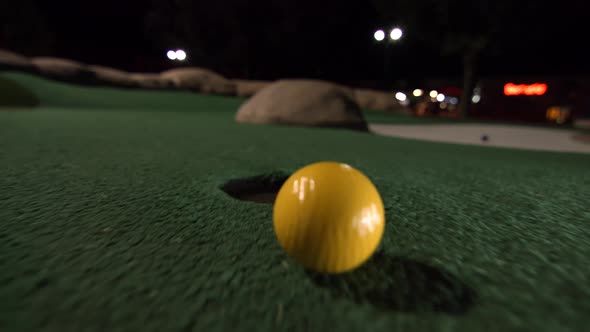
(394,35)
(178,55)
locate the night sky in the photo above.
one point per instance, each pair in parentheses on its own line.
(318,39)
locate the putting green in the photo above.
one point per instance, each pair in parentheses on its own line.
(14,94)
(111,218)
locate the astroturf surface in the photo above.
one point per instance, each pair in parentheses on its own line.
(111,219)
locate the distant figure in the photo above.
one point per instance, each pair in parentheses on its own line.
(484,138)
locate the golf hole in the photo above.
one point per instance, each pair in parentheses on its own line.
(259,189)
(402,285)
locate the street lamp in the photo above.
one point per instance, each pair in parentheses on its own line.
(171,55)
(178,55)
(379,35)
(396,34)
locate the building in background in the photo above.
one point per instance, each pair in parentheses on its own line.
(558,100)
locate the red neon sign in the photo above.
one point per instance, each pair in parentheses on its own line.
(537,89)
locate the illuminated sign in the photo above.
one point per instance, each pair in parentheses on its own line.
(537,89)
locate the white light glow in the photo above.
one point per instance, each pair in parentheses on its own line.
(171,55)
(417,93)
(475,99)
(180,55)
(433,94)
(368,221)
(396,34)
(440,97)
(379,35)
(302,188)
(400,96)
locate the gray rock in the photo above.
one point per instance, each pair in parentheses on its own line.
(310,103)
(200,80)
(13,61)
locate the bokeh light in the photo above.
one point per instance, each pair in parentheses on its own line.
(417,92)
(400,96)
(440,97)
(379,35)
(433,94)
(396,34)
(180,55)
(171,55)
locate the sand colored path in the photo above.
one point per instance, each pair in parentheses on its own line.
(499,136)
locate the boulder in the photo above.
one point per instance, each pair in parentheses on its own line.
(310,103)
(112,77)
(247,88)
(376,100)
(13,61)
(151,81)
(200,80)
(63,70)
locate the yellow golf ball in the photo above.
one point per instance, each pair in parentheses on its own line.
(329,217)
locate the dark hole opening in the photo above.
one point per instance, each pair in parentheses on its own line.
(258,189)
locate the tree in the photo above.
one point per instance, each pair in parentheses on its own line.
(462,28)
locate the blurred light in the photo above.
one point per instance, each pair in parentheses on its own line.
(440,97)
(379,35)
(536,89)
(443,105)
(396,34)
(477,91)
(553,113)
(181,55)
(400,96)
(405,102)
(558,114)
(171,55)
(433,94)
(475,99)
(453,100)
(417,93)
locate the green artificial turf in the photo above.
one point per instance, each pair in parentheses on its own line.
(13,94)
(57,94)
(113,220)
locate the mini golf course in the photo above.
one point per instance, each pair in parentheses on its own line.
(115,216)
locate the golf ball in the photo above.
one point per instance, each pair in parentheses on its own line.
(329,217)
